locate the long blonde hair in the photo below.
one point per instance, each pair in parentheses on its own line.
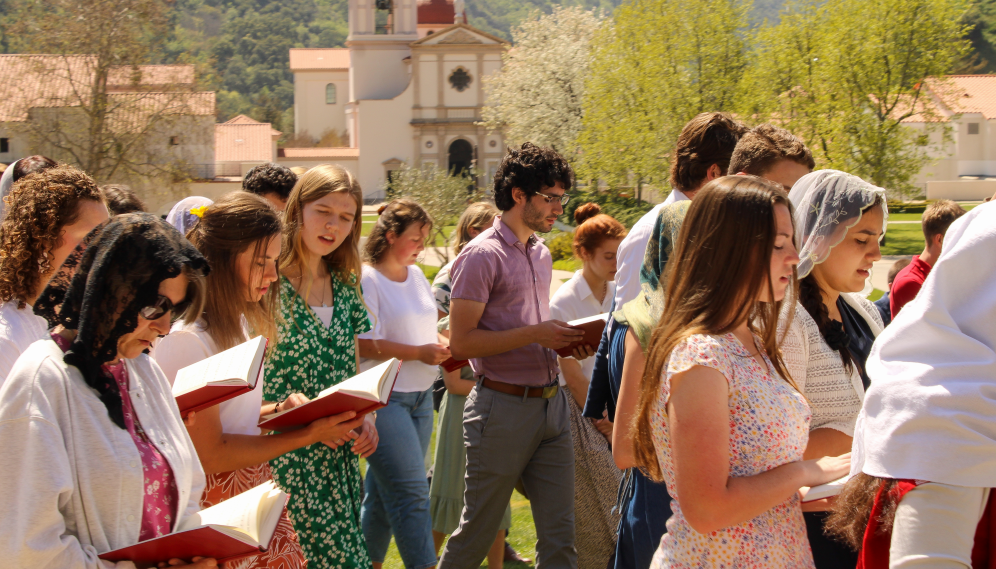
(479,216)
(237,222)
(721,263)
(345,262)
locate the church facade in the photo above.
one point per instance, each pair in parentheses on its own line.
(406,89)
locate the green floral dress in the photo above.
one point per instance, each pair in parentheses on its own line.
(325,486)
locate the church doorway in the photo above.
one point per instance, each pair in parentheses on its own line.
(461,156)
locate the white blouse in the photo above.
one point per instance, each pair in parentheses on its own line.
(73,480)
(834,395)
(574,300)
(19,328)
(188,344)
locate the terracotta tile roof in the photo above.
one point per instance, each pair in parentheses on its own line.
(161,76)
(304,59)
(132,111)
(967,93)
(437,12)
(31,81)
(318,153)
(244,142)
(242,119)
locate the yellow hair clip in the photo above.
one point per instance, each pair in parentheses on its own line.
(199,210)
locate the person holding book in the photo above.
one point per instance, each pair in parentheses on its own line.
(596,478)
(499,319)
(322,312)
(240,237)
(403,312)
(924,441)
(98,456)
(450,458)
(719,419)
(50,212)
(829,331)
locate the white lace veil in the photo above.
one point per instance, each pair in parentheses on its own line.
(827,203)
(180,216)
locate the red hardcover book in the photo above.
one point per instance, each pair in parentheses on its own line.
(363,393)
(221,377)
(593,327)
(451,364)
(241,526)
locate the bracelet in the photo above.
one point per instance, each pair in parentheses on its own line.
(276,408)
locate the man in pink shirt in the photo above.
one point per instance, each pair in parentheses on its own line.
(936,220)
(516,420)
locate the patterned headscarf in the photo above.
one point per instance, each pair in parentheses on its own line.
(101,287)
(827,203)
(643,312)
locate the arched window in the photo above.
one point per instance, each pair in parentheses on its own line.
(330,94)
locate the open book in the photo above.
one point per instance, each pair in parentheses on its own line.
(592,326)
(238,527)
(362,393)
(219,378)
(825,490)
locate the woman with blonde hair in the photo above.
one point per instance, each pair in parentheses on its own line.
(240,237)
(322,312)
(450,459)
(719,419)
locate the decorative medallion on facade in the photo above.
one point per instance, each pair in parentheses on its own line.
(460,79)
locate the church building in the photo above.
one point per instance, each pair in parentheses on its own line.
(406,89)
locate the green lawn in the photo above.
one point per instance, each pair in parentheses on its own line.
(571,264)
(903,239)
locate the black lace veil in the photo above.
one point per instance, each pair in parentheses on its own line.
(98,291)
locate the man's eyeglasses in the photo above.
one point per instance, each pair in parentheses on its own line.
(563,199)
(162,306)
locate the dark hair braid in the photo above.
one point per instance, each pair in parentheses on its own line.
(832,331)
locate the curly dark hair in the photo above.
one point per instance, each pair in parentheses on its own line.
(122,199)
(270,178)
(707,139)
(38,208)
(531,169)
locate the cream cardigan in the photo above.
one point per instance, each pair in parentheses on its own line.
(834,395)
(73,480)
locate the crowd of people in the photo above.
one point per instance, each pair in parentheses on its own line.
(740,366)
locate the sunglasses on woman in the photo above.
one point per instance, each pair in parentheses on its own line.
(162,306)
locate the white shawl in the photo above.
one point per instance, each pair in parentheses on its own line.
(930,413)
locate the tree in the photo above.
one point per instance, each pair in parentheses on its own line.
(537,95)
(442,195)
(659,64)
(844,75)
(92,100)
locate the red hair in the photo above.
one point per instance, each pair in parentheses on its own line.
(594,228)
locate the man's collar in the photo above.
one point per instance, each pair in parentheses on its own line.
(509,236)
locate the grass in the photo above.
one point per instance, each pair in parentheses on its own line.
(875,294)
(572,264)
(903,239)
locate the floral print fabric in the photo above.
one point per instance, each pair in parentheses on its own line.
(285,550)
(769,427)
(324,484)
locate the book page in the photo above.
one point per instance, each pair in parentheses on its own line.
(239,513)
(604,317)
(825,490)
(231,367)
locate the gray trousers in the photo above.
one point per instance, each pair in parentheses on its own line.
(509,438)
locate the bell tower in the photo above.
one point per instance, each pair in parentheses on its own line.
(380,33)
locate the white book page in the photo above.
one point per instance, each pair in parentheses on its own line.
(826,490)
(235,366)
(603,317)
(366,385)
(237,515)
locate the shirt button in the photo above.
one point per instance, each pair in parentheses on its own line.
(134,464)
(139,395)
(131,518)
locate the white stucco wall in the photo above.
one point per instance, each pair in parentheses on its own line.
(311,112)
(385,134)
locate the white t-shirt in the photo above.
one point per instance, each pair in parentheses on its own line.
(574,300)
(188,344)
(19,328)
(629,257)
(404,313)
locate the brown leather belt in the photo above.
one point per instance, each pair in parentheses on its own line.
(518,390)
